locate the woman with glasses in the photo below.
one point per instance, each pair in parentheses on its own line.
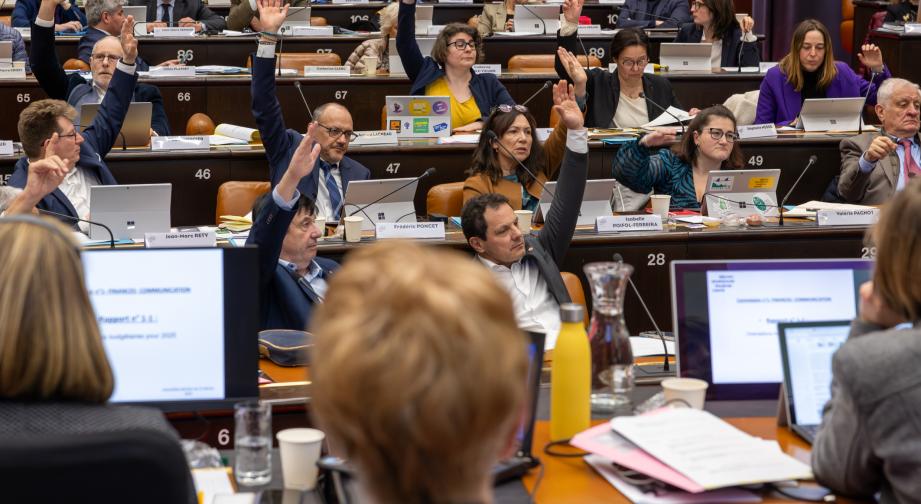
(809,70)
(715,23)
(497,159)
(710,144)
(623,98)
(449,70)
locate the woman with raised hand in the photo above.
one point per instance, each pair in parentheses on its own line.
(734,44)
(449,70)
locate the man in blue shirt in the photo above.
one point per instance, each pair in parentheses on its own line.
(19,47)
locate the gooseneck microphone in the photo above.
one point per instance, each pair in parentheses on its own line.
(362,208)
(297,85)
(494,138)
(543,88)
(665,366)
(866,97)
(71,218)
(663,109)
(812,160)
(542,22)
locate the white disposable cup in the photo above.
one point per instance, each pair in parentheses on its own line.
(321,225)
(353,228)
(689,390)
(370,63)
(660,205)
(524,220)
(300,450)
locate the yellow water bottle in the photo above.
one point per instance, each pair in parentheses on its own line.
(570,376)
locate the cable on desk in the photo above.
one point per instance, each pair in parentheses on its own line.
(562,442)
(540,477)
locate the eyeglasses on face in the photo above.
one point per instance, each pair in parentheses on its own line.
(716,134)
(506,108)
(99,58)
(462,44)
(631,64)
(698,4)
(335,133)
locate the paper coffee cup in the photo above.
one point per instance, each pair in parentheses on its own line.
(524,220)
(660,205)
(300,450)
(690,390)
(353,228)
(321,225)
(370,63)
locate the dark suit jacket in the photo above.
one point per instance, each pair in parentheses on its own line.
(25,11)
(691,33)
(194,9)
(603,89)
(645,13)
(872,188)
(85,50)
(279,142)
(284,303)
(98,138)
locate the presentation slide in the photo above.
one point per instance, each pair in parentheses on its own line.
(746,306)
(161,314)
(810,350)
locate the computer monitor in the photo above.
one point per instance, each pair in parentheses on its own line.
(726,313)
(179,326)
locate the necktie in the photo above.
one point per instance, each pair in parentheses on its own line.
(910,166)
(166,18)
(335,197)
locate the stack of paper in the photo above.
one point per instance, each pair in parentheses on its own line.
(236,223)
(808,209)
(229,134)
(668,118)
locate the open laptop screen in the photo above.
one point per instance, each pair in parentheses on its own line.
(726,315)
(807,349)
(179,326)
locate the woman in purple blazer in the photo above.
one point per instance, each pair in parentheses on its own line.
(810,71)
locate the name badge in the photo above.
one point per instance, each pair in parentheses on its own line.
(434,29)
(612,2)
(180,239)
(312,31)
(378,137)
(484,68)
(621,223)
(326,71)
(415,230)
(456,1)
(764,66)
(912,28)
(757,131)
(590,29)
(179,143)
(218,3)
(172,71)
(6,147)
(861,217)
(174,31)
(350,1)
(12,73)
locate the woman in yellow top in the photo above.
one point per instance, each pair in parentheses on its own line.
(449,70)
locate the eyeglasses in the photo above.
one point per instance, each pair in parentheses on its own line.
(335,133)
(99,58)
(463,44)
(630,64)
(506,108)
(698,4)
(716,134)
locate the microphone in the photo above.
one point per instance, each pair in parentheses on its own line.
(539,91)
(665,366)
(491,135)
(297,84)
(542,22)
(120,134)
(663,109)
(812,160)
(430,171)
(77,219)
(866,97)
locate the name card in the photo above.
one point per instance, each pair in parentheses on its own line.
(378,137)
(325,71)
(174,31)
(650,68)
(620,223)
(415,230)
(218,3)
(341,2)
(757,131)
(861,217)
(179,143)
(434,29)
(612,2)
(912,28)
(590,29)
(6,147)
(180,239)
(25,32)
(10,73)
(484,68)
(312,31)
(455,1)
(172,71)
(764,66)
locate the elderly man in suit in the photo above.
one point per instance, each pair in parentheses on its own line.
(161,13)
(876,165)
(105,18)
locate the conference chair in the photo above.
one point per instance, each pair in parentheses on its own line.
(297,61)
(317,21)
(7,20)
(576,293)
(199,124)
(543,63)
(237,197)
(847,26)
(445,200)
(138,466)
(76,64)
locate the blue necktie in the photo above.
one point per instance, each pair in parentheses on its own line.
(335,197)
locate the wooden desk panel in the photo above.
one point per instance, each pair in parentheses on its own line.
(863,13)
(900,53)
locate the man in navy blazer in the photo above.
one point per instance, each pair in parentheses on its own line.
(292,277)
(654,14)
(327,184)
(105,18)
(46,128)
(69,20)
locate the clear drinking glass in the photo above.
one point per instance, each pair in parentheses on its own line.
(253,443)
(612,357)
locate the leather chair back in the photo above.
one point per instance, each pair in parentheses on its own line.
(445,199)
(576,293)
(199,124)
(297,61)
(237,197)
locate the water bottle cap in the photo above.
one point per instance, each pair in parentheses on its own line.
(570,312)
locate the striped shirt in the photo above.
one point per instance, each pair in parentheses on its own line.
(643,169)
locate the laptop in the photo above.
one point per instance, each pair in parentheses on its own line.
(396,64)
(139,12)
(685,57)
(831,114)
(806,350)
(424,16)
(179,326)
(419,116)
(725,316)
(741,192)
(537,19)
(395,207)
(135,128)
(130,210)
(297,16)
(596,201)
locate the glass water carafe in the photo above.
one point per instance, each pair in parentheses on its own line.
(612,357)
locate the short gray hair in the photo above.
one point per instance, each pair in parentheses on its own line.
(95,8)
(884,94)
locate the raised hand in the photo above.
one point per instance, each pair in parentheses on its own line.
(564,102)
(871,57)
(659,137)
(301,165)
(572,9)
(747,24)
(129,43)
(45,175)
(272,14)
(187,21)
(574,69)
